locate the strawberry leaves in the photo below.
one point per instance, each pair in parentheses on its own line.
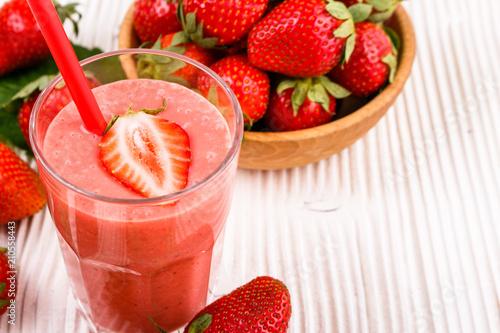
(16,86)
(315,89)
(160,67)
(200,324)
(345,30)
(194,31)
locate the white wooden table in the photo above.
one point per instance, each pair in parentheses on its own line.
(399,233)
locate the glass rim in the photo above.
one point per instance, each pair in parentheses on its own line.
(230,156)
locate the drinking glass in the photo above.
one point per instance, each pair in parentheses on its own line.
(128,259)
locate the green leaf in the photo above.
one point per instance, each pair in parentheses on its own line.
(180,38)
(360,12)
(175,49)
(380,5)
(394,37)
(190,22)
(345,30)
(201,323)
(2,287)
(213,96)
(381,16)
(338,10)
(299,94)
(317,94)
(16,84)
(67,12)
(349,47)
(392,62)
(10,133)
(11,83)
(334,89)
(36,85)
(286,84)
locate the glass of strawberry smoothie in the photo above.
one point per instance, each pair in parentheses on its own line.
(129,257)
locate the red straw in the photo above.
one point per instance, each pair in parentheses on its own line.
(67,62)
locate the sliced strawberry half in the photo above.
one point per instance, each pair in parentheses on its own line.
(146,153)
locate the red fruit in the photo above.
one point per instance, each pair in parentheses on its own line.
(21,40)
(21,192)
(262,305)
(24,116)
(250,85)
(154,18)
(6,293)
(302,103)
(301,38)
(189,49)
(58,99)
(227,21)
(148,154)
(371,63)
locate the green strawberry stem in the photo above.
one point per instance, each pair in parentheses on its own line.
(194,31)
(316,89)
(158,327)
(346,30)
(129,112)
(200,324)
(66,12)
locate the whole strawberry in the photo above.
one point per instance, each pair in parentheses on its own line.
(154,18)
(302,103)
(6,295)
(262,305)
(58,99)
(377,10)
(302,38)
(21,41)
(179,43)
(20,187)
(250,85)
(372,62)
(224,22)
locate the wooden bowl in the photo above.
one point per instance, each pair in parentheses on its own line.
(281,150)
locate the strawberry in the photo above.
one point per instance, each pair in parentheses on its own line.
(21,41)
(24,116)
(154,18)
(250,85)
(21,192)
(222,22)
(372,62)
(57,100)
(302,38)
(6,293)
(302,103)
(375,10)
(262,305)
(179,43)
(148,154)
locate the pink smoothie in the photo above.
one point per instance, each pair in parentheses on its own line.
(126,262)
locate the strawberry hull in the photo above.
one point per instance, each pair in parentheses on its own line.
(130,257)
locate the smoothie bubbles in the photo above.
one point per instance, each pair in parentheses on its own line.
(131,253)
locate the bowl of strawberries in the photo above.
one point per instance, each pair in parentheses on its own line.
(312,77)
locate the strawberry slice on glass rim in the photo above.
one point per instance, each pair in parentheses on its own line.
(148,154)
